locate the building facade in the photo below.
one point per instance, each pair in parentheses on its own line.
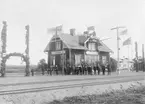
(70,49)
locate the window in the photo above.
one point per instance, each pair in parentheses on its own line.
(104,59)
(58,45)
(91,59)
(91,46)
(77,59)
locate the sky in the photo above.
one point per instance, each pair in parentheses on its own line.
(78,14)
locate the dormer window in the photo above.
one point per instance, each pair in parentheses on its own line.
(58,45)
(91,46)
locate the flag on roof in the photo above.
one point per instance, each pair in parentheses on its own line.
(124,32)
(119,38)
(127,41)
(59,28)
(86,32)
(91,28)
(54,29)
(93,34)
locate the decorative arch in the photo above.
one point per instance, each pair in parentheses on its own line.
(5,56)
(23,57)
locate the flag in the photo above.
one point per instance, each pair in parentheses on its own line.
(54,29)
(127,41)
(124,32)
(119,38)
(93,34)
(59,28)
(91,28)
(86,32)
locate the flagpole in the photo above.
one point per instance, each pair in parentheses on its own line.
(128,57)
(136,54)
(55,43)
(118,50)
(143,56)
(117,28)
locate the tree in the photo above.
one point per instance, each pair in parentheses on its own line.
(113,63)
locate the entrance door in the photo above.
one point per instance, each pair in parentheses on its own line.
(57,60)
(77,59)
(52,61)
(63,60)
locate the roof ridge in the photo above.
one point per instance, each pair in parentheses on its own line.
(106,46)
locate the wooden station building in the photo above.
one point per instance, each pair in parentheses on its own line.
(70,49)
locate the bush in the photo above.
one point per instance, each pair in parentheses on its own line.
(133,95)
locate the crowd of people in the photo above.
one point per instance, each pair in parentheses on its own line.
(82,69)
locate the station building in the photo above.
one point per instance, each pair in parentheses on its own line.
(71,49)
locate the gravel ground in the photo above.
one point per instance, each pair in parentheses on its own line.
(46,96)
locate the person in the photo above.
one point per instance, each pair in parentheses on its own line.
(50,70)
(109,68)
(89,70)
(77,70)
(56,69)
(32,72)
(103,69)
(98,68)
(83,69)
(80,70)
(42,68)
(65,71)
(94,68)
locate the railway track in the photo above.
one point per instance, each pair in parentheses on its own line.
(60,81)
(40,89)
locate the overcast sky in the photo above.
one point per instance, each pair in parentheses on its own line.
(43,14)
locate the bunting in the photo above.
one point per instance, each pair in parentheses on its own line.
(124,32)
(127,41)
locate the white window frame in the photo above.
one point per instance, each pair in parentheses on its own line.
(104,59)
(91,46)
(58,45)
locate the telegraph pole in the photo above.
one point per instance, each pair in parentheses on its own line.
(143,56)
(136,55)
(117,29)
(27,50)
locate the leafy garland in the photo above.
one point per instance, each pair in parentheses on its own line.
(3,37)
(24,58)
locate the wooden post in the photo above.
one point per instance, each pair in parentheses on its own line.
(136,50)
(143,56)
(27,51)
(3,46)
(70,56)
(117,28)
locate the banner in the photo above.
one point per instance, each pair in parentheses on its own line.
(54,29)
(124,32)
(91,28)
(127,41)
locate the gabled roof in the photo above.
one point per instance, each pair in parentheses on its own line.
(82,39)
(104,48)
(73,42)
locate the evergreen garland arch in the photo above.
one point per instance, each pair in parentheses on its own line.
(23,57)
(5,56)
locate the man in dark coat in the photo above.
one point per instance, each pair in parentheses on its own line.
(103,69)
(95,68)
(109,68)
(56,69)
(98,68)
(32,72)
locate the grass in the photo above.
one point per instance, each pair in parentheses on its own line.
(135,94)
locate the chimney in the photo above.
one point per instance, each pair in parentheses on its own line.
(86,33)
(72,31)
